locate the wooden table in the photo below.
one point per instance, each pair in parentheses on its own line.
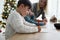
(50,34)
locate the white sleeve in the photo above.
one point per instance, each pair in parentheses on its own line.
(29,24)
(19,26)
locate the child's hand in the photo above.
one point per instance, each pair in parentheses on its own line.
(39,28)
(31,13)
(45,19)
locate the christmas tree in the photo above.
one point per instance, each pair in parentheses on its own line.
(8,6)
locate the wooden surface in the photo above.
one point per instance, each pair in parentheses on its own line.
(37,36)
(48,33)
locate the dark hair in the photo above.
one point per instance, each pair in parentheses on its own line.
(25,2)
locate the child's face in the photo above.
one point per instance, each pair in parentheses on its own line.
(24,10)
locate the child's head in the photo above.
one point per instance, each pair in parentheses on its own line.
(23,6)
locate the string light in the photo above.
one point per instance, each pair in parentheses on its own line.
(9,5)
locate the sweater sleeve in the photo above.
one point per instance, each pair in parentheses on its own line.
(19,26)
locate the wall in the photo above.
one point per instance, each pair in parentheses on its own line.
(58,14)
